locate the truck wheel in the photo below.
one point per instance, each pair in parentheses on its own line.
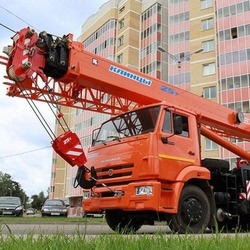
(193,211)
(118,221)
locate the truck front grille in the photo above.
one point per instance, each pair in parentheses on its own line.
(115,173)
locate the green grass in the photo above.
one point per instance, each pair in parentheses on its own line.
(125,242)
(158,241)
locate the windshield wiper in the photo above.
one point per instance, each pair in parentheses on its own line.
(115,137)
(102,141)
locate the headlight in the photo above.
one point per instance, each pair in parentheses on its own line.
(64,210)
(144,190)
(19,208)
(86,195)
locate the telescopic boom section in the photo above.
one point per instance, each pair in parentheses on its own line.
(84,80)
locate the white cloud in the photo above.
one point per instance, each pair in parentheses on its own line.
(20,130)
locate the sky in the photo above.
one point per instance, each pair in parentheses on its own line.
(25,147)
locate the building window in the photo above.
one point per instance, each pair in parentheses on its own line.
(181,17)
(206,4)
(234,9)
(207,24)
(120,41)
(120,58)
(208,69)
(210,145)
(121,23)
(234,82)
(173,2)
(179,37)
(209,92)
(234,33)
(208,46)
(239,106)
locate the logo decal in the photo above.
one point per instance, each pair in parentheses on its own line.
(169,90)
(95,61)
(110,172)
(130,75)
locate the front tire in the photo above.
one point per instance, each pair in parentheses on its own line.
(193,211)
(120,222)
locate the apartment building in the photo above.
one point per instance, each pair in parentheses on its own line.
(203,75)
(233,51)
(204,49)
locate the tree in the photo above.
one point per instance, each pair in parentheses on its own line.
(8,187)
(38,200)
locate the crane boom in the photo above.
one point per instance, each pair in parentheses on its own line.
(84,80)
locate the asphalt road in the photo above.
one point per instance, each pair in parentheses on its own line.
(73,228)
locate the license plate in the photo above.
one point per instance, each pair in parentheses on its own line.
(7,212)
(55,213)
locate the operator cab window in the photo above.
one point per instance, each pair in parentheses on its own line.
(185,130)
(167,124)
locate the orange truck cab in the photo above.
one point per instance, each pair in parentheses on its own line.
(146,157)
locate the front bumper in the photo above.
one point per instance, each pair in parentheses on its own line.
(10,212)
(124,198)
(54,213)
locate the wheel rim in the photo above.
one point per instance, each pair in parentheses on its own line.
(192,211)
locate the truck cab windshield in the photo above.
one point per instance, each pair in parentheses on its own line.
(129,124)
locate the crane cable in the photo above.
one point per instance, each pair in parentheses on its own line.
(39,115)
(37,112)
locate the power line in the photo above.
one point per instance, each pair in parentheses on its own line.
(26,152)
(22,21)
(18,17)
(8,28)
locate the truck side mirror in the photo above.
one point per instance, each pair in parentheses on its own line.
(94,135)
(178,126)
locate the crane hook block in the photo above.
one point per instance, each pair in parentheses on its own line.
(69,147)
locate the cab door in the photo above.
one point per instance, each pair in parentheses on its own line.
(178,144)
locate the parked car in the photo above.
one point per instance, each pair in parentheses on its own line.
(30,211)
(54,207)
(10,205)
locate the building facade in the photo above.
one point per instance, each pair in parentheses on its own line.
(233,50)
(204,50)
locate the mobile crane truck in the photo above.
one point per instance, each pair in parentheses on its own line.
(144,164)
